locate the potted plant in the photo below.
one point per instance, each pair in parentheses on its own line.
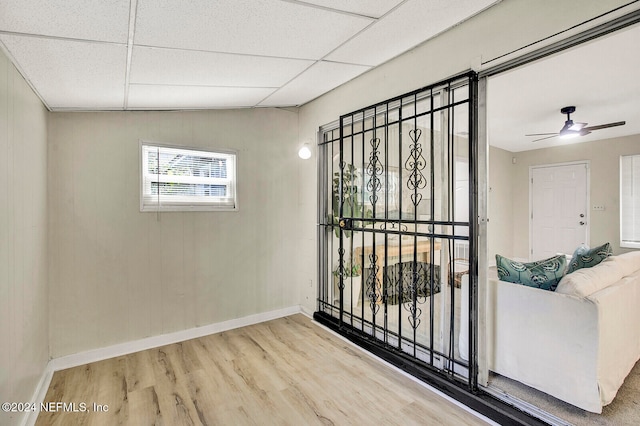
(352,207)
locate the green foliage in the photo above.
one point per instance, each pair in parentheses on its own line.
(350,270)
(352,207)
(352,199)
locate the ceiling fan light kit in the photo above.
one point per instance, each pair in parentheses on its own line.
(569,134)
(571,130)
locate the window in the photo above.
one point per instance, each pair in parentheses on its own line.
(182,179)
(630,201)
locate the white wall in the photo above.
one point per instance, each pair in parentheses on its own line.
(117,274)
(24,311)
(604,156)
(501,30)
(500,209)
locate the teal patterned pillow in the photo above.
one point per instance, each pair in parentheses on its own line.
(544,274)
(584,257)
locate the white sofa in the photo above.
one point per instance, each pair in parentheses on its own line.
(578,343)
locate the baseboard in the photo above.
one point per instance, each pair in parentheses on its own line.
(29,418)
(82,358)
(304,310)
(121,349)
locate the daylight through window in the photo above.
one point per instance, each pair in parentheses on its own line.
(630,201)
(180,179)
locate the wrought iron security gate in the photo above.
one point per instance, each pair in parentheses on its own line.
(396,240)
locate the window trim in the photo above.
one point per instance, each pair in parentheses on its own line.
(623,243)
(192,206)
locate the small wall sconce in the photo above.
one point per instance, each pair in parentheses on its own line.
(304,152)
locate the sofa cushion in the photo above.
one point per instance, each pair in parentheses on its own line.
(585,257)
(544,274)
(629,262)
(586,281)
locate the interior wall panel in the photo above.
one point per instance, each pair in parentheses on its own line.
(508,27)
(604,187)
(24,310)
(119,275)
(500,206)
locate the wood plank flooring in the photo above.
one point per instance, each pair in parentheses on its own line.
(288,371)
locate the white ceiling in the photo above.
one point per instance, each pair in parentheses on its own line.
(168,54)
(599,78)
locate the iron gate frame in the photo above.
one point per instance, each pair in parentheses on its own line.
(348,323)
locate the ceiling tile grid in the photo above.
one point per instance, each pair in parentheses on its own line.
(98,20)
(319,79)
(188,67)
(370,8)
(193,97)
(404,28)
(253,27)
(167,54)
(71,74)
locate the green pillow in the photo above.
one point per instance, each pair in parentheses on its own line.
(584,257)
(544,274)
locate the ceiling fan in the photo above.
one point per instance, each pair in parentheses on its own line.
(572,129)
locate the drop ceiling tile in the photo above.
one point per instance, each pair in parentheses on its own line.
(370,8)
(81,19)
(71,74)
(312,83)
(407,26)
(188,67)
(261,27)
(194,97)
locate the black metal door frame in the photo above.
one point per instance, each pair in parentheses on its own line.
(369,129)
(464,389)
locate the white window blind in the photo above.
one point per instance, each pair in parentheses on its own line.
(630,201)
(182,179)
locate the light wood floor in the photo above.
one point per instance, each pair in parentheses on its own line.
(285,371)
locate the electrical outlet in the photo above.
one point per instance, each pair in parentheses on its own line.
(599,208)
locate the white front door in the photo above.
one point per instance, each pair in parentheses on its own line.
(559,209)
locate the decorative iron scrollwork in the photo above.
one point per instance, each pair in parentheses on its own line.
(344,190)
(374,170)
(414,281)
(416,288)
(393,226)
(341,269)
(415,164)
(373,284)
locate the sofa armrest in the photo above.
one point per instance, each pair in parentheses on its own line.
(546,340)
(619,334)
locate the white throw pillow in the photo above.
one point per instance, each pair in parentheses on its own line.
(586,281)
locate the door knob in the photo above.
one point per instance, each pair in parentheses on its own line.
(345,223)
(581,223)
(581,214)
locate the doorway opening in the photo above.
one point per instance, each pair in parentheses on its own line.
(396,241)
(588,213)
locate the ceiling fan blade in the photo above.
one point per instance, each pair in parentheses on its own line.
(604,126)
(541,134)
(548,137)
